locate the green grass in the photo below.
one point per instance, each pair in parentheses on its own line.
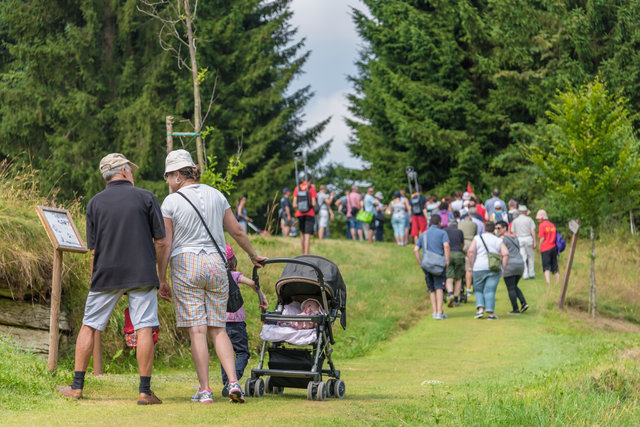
(540,368)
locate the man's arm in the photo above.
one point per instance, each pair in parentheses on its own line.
(163,251)
(533,235)
(416,252)
(447,252)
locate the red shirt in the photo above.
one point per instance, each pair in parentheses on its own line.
(312,195)
(547,231)
(482,211)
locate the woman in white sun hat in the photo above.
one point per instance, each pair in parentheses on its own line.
(198,275)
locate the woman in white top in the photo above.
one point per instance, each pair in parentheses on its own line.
(198,276)
(399,212)
(485,281)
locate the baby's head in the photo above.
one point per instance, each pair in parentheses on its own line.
(310,305)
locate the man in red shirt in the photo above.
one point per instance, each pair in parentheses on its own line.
(548,250)
(304,201)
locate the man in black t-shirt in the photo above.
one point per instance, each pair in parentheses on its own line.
(122,223)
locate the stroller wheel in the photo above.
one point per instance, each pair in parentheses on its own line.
(339,389)
(321,393)
(258,388)
(248,387)
(330,386)
(310,391)
(268,388)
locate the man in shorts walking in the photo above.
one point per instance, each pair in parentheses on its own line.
(437,241)
(304,200)
(122,223)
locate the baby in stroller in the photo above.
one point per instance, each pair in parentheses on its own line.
(309,307)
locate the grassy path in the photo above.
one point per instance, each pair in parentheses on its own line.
(524,369)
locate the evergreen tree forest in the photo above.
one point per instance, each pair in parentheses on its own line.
(459,89)
(82,78)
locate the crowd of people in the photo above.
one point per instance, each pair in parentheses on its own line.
(481,243)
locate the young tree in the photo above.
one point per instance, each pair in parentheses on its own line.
(592,163)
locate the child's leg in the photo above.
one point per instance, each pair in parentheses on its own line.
(237,332)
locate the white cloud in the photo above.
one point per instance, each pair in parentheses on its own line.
(334,105)
(332,38)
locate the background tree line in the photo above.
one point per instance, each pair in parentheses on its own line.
(459,89)
(82,78)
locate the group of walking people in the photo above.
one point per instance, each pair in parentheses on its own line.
(133,240)
(482,248)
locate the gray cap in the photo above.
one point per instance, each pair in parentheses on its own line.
(378,195)
(114,160)
(523,208)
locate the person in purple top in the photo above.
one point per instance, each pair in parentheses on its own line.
(236,326)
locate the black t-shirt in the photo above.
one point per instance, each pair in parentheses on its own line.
(122,222)
(456,238)
(284,202)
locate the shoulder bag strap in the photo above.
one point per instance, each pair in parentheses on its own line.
(224,258)
(485,245)
(426,241)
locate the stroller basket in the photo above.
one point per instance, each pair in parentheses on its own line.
(289,359)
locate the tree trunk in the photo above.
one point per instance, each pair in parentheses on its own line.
(632,224)
(197,109)
(592,294)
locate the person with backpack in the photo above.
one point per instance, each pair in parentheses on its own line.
(418,203)
(498,214)
(304,200)
(524,228)
(341,204)
(286,211)
(548,249)
(490,205)
(323,210)
(445,214)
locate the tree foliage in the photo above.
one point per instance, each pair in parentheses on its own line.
(457,88)
(592,164)
(82,78)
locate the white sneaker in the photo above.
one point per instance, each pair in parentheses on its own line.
(236,394)
(203,396)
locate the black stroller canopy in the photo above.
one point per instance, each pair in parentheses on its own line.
(331,276)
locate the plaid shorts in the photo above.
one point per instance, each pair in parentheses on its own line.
(200,289)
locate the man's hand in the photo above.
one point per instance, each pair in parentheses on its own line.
(264,304)
(164,291)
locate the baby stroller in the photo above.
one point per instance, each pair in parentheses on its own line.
(303,277)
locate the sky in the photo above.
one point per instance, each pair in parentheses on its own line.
(333,41)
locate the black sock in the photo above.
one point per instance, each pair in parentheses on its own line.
(78,380)
(145,385)
(455,299)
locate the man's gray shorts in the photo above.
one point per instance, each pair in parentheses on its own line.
(143,307)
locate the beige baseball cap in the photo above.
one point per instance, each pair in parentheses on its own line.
(177,160)
(114,160)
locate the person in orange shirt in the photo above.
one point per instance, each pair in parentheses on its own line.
(548,250)
(304,200)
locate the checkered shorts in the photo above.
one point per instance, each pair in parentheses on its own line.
(200,289)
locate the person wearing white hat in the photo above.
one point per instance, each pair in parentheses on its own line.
(200,286)
(524,228)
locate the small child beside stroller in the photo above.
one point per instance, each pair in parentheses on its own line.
(236,326)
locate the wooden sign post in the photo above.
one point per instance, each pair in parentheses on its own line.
(574,226)
(64,236)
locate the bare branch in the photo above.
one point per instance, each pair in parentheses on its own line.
(213,91)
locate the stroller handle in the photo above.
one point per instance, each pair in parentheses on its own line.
(256,278)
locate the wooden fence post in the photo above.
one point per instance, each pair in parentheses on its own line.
(574,226)
(54,317)
(169,121)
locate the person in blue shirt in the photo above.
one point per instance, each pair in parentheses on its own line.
(437,241)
